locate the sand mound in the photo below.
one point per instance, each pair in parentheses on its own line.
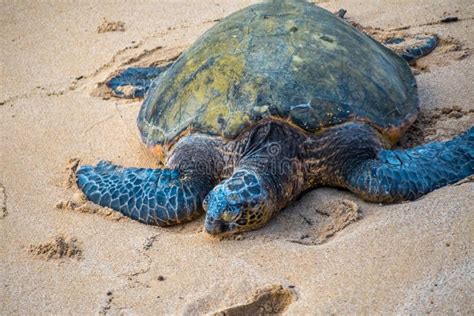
(111,26)
(79,203)
(57,248)
(128,91)
(70,172)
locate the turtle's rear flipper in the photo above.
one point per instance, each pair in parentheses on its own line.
(409,48)
(151,196)
(412,48)
(366,168)
(134,82)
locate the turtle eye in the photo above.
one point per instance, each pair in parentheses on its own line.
(227,216)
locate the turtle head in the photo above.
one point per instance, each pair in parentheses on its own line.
(238,204)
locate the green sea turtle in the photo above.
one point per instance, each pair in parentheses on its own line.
(274,100)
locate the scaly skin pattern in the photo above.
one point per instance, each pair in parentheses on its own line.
(354,156)
(412,50)
(157,196)
(231,201)
(140,78)
(276,99)
(267,175)
(150,196)
(398,175)
(272,164)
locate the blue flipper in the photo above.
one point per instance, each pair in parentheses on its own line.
(151,196)
(409,49)
(412,49)
(138,79)
(396,175)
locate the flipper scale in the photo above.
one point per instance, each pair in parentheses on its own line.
(146,195)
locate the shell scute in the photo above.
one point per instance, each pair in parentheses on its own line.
(288,60)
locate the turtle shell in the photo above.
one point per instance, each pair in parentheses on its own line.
(282,60)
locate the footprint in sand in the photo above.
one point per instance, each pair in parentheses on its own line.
(271,300)
(337,216)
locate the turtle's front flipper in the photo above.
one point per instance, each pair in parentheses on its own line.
(134,82)
(157,196)
(152,196)
(363,166)
(411,49)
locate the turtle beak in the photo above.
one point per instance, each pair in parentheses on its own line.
(215,227)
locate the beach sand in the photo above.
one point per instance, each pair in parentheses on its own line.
(329,252)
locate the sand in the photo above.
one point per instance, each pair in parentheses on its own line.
(329,252)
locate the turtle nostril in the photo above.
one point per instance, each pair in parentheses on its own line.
(216,227)
(221,227)
(209,219)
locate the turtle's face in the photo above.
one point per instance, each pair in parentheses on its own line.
(240,203)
